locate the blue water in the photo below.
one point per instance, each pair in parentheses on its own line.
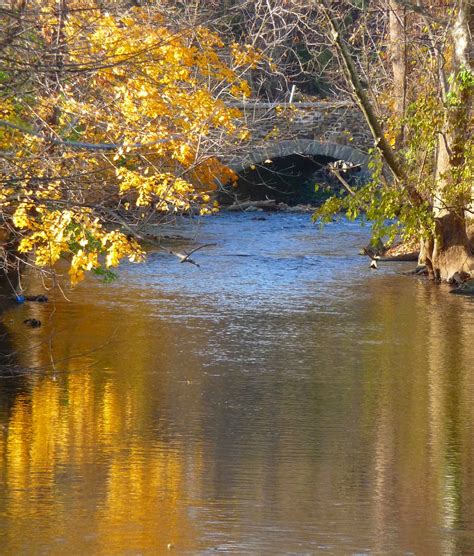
(282,398)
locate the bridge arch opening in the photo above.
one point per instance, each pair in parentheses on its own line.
(288,173)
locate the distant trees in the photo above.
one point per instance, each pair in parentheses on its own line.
(426,135)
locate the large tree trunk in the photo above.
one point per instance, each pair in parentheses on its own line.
(398,57)
(452,251)
(448,252)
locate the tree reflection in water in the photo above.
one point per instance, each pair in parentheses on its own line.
(195,416)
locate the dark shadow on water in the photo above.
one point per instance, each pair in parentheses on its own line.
(291,180)
(12,375)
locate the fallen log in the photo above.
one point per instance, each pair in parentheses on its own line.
(420,270)
(400,252)
(267,204)
(413,256)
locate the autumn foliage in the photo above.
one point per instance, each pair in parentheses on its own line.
(107,116)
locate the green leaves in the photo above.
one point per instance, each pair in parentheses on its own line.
(106,274)
(461,82)
(382,203)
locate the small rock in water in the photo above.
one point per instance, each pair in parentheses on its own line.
(38,298)
(33,323)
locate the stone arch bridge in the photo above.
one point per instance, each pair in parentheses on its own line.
(329,129)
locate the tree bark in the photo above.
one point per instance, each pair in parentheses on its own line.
(398,56)
(367,109)
(451,249)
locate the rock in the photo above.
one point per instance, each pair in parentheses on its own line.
(466,288)
(37,298)
(33,323)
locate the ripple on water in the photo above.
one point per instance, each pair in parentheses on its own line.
(280,399)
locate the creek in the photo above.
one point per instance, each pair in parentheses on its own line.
(280,399)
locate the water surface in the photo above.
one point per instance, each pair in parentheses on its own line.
(280,399)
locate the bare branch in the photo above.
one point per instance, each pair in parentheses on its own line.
(83,145)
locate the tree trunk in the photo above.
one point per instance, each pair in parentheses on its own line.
(452,252)
(398,57)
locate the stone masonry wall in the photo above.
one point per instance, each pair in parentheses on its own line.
(334,122)
(334,129)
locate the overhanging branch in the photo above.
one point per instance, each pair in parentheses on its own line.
(365,105)
(80,145)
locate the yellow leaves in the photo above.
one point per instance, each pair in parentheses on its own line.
(127,21)
(184,153)
(21,218)
(80,263)
(244,134)
(241,89)
(246,55)
(163,189)
(208,39)
(76,233)
(118,246)
(245,88)
(5,194)
(157,92)
(6,108)
(204,211)
(114,245)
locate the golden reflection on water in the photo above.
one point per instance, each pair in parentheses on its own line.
(87,465)
(79,433)
(75,432)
